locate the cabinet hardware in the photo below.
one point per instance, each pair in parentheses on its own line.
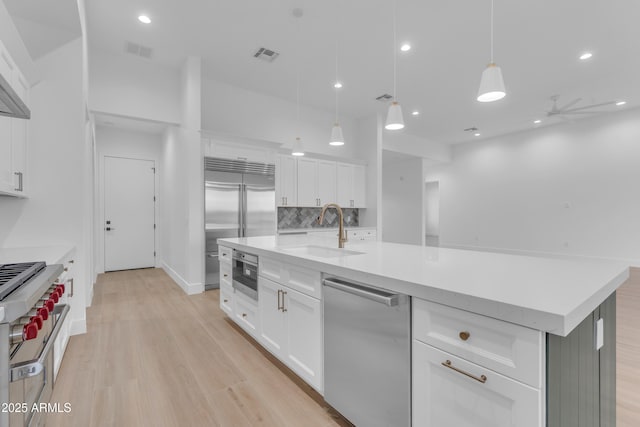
(244,314)
(71,293)
(225,275)
(226,300)
(19,175)
(464,335)
(283,294)
(71,261)
(66,269)
(481,379)
(279,305)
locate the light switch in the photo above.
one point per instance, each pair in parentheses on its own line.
(599,333)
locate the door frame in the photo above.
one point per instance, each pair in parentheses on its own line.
(99,226)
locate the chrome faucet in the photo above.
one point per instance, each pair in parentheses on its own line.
(342,235)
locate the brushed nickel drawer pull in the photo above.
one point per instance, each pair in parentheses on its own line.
(225,275)
(283,294)
(244,314)
(464,335)
(226,300)
(279,306)
(482,379)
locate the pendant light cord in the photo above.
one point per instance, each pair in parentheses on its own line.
(298,76)
(336,89)
(395,55)
(492,31)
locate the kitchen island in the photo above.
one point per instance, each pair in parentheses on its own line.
(540,329)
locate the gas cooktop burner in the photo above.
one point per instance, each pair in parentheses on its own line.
(12,276)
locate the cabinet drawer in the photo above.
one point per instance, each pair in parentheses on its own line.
(301,279)
(225,273)
(245,314)
(504,347)
(225,254)
(447,392)
(226,298)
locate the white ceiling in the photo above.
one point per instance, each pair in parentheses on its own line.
(537,44)
(45,25)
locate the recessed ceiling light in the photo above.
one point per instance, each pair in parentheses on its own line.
(537,121)
(586,55)
(337,85)
(415,113)
(619,103)
(144,19)
(405,47)
(476,134)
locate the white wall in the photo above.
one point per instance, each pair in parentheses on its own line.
(111,141)
(402,195)
(133,87)
(402,142)
(368,148)
(56,163)
(568,189)
(240,112)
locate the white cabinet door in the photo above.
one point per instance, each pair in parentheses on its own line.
(447,396)
(359,186)
(245,311)
(286,178)
(308,182)
(326,182)
(226,298)
(304,336)
(19,135)
(344,184)
(273,333)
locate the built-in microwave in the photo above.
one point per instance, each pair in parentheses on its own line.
(245,273)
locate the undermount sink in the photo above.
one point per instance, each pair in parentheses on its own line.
(321,251)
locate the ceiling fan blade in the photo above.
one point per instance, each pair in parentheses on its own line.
(569,105)
(587,107)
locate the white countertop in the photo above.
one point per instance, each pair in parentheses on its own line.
(547,294)
(48,254)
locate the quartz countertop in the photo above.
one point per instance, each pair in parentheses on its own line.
(543,293)
(48,254)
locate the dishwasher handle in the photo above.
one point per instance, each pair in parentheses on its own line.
(374,294)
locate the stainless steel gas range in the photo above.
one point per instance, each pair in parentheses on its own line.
(30,319)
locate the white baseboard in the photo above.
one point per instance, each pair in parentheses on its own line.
(188,288)
(78,326)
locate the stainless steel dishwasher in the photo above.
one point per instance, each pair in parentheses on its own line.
(367,353)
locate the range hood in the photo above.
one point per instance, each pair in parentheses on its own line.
(10,103)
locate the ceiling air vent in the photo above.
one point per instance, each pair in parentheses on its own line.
(471,129)
(266,54)
(384,98)
(138,50)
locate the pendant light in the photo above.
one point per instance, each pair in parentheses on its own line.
(297,149)
(337,139)
(394,115)
(491,83)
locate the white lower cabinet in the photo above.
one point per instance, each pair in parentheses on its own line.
(226,298)
(448,391)
(245,314)
(291,328)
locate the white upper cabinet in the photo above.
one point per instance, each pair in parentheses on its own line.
(351,185)
(316,182)
(213,147)
(286,181)
(13,132)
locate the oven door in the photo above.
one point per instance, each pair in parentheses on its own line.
(245,274)
(31,373)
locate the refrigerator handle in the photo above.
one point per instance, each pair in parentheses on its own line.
(240,210)
(243,211)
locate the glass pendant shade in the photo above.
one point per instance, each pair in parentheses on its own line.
(336,135)
(394,117)
(297,149)
(491,84)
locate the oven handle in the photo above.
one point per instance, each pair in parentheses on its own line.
(31,368)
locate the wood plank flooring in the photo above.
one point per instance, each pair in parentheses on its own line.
(628,352)
(153,356)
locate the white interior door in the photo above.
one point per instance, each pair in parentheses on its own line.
(129,213)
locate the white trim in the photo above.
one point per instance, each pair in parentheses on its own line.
(78,326)
(188,288)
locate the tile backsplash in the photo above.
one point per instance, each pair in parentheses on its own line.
(293,218)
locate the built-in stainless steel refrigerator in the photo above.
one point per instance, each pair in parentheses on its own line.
(239,202)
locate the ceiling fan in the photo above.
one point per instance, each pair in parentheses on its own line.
(569,109)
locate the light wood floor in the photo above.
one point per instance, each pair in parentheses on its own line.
(628,352)
(153,356)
